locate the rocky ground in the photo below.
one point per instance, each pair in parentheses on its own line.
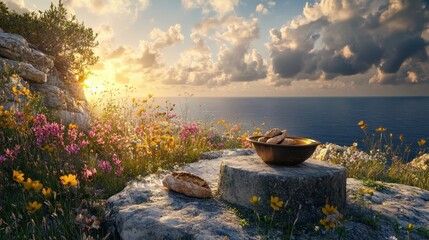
(375,210)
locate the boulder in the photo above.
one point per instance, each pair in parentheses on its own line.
(53,96)
(61,92)
(15,47)
(147,210)
(307,186)
(421,162)
(25,70)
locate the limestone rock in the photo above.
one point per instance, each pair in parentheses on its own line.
(15,47)
(188,184)
(82,119)
(309,184)
(26,70)
(147,210)
(421,162)
(61,92)
(53,96)
(40,60)
(405,204)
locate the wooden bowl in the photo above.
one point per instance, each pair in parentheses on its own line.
(286,155)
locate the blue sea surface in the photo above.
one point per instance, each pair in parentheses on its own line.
(327,119)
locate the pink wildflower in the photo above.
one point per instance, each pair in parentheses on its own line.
(87,173)
(105,166)
(119,171)
(116,160)
(189,131)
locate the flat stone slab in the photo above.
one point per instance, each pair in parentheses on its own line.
(147,210)
(405,204)
(311,184)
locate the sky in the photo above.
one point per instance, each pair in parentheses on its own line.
(241,48)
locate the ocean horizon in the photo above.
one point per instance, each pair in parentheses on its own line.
(327,119)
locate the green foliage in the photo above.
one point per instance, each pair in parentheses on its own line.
(57,34)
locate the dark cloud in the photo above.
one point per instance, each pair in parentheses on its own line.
(336,39)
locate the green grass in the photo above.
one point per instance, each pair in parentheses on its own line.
(380,159)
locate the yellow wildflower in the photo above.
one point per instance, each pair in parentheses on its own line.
(275,203)
(361,123)
(26,91)
(32,185)
(410,227)
(421,142)
(18,176)
(327,224)
(401,137)
(33,206)
(68,180)
(16,91)
(73,126)
(15,75)
(368,191)
(255,200)
(48,148)
(46,192)
(380,129)
(363,127)
(391,135)
(329,209)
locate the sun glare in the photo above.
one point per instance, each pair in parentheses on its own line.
(93,87)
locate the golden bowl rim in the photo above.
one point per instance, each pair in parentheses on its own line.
(313,142)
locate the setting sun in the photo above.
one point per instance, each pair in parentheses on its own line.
(93,87)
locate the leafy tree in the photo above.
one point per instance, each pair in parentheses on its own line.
(57,34)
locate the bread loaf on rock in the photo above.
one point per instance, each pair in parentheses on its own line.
(188,184)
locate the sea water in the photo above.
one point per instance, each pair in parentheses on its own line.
(327,119)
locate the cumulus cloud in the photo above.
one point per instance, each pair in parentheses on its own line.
(236,60)
(260,8)
(221,7)
(109,6)
(162,39)
(343,37)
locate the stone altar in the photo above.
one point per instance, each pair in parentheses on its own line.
(310,184)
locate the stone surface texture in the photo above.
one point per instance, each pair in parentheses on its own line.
(62,92)
(310,184)
(405,204)
(421,162)
(147,210)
